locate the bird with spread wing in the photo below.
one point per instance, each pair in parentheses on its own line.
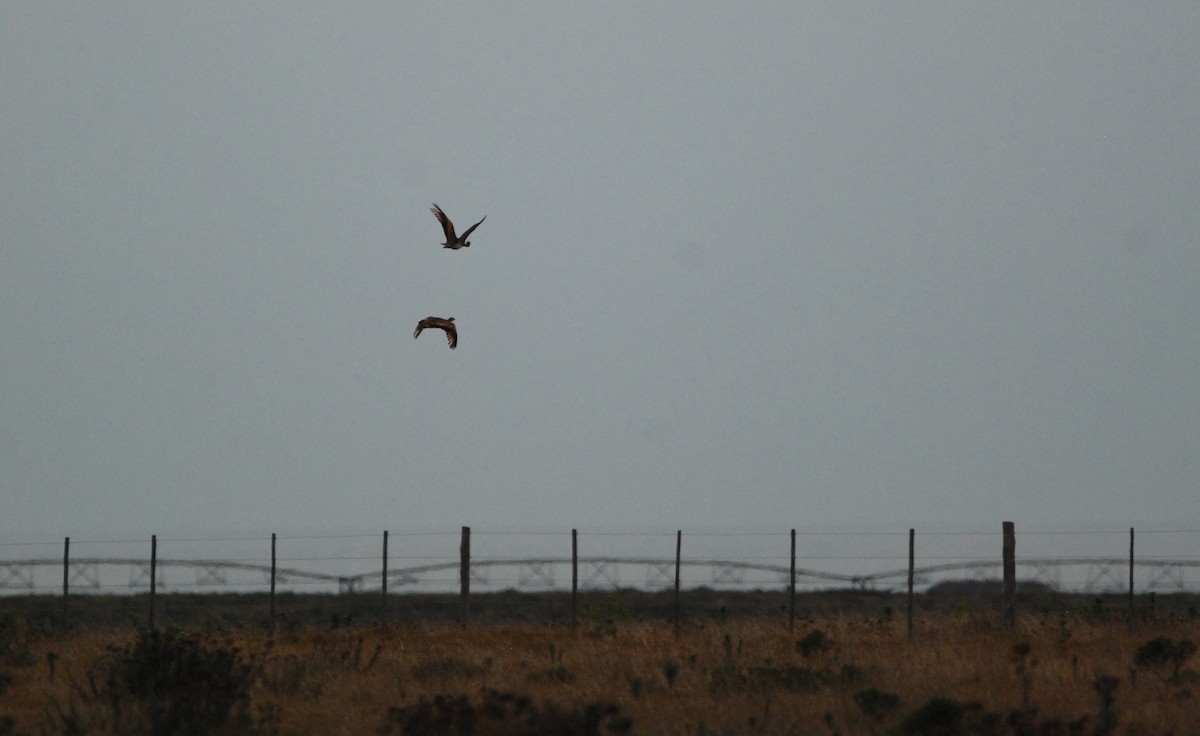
(454,242)
(441,324)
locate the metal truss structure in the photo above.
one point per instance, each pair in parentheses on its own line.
(1098,574)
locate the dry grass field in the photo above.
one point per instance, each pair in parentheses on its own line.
(960,673)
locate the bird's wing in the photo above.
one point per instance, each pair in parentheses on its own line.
(420,326)
(447,226)
(451,334)
(472,228)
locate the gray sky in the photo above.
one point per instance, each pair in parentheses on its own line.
(744,266)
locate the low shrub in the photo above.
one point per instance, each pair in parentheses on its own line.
(877,704)
(173,683)
(937,717)
(813,642)
(501,713)
(1164,652)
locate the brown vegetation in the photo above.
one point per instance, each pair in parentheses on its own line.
(838,674)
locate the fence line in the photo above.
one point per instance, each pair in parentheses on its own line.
(601,571)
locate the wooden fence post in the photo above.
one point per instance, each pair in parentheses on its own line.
(911,569)
(574,578)
(464,574)
(271,622)
(1130,615)
(678,549)
(1010,574)
(153,572)
(792,587)
(383,583)
(66,580)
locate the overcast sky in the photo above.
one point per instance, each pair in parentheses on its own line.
(745,267)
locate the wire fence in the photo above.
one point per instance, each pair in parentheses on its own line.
(407,570)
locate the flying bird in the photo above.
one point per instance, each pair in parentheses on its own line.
(454,242)
(441,324)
